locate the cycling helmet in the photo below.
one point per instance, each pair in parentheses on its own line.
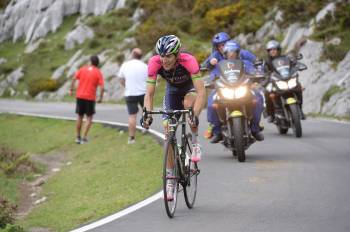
(168,44)
(231,46)
(273,44)
(219,38)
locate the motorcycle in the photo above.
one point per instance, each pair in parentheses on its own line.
(233,102)
(282,90)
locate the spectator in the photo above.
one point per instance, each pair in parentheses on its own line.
(133,76)
(89,78)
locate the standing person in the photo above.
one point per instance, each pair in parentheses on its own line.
(89,78)
(133,76)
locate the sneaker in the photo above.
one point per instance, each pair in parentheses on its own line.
(84,140)
(131,141)
(216,138)
(170,190)
(78,140)
(196,152)
(208,134)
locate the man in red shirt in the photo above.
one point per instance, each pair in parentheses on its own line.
(89,78)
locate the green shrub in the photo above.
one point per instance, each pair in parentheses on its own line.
(299,10)
(3,3)
(334,89)
(38,86)
(94,44)
(13,228)
(335,53)
(335,25)
(7,213)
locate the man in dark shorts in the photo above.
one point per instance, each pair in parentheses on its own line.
(89,78)
(133,76)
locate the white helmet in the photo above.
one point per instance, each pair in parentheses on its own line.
(273,44)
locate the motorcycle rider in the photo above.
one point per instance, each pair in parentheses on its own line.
(232,51)
(273,49)
(216,56)
(247,57)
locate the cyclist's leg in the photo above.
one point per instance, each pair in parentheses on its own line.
(189,101)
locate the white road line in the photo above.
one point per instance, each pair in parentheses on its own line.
(124,212)
(120,214)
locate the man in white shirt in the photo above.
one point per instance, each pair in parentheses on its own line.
(133,76)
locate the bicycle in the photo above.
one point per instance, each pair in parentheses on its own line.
(178,155)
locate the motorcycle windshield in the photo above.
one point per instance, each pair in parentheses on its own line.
(231,70)
(282,66)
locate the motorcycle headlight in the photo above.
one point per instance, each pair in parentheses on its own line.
(282,85)
(241,91)
(228,93)
(292,83)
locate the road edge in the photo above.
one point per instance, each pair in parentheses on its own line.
(159,136)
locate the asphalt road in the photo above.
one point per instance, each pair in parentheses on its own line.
(286,184)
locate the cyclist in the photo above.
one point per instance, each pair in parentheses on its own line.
(185,88)
(248,58)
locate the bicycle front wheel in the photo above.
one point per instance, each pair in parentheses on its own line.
(191,173)
(170,178)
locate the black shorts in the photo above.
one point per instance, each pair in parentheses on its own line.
(132,103)
(85,107)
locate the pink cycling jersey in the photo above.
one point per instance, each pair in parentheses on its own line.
(185,71)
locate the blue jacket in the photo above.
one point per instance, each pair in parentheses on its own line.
(246,56)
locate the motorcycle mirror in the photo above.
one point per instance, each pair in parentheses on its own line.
(299,56)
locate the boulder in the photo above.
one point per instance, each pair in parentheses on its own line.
(31,47)
(78,36)
(14,77)
(3,60)
(269,29)
(58,72)
(120,4)
(326,10)
(335,41)
(293,34)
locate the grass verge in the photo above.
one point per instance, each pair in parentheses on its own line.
(106,174)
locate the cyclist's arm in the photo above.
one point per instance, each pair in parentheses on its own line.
(151,87)
(198,84)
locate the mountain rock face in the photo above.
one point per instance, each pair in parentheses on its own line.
(321,76)
(34,19)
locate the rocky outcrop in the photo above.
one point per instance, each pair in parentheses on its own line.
(11,81)
(78,36)
(34,19)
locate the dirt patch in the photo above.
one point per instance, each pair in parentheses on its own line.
(30,191)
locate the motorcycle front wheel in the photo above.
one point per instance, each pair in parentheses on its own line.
(296,121)
(238,133)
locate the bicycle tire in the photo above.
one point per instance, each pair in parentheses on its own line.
(191,173)
(170,206)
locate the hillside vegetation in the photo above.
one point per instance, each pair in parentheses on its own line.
(194,22)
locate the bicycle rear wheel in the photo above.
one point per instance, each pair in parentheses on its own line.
(191,173)
(169,155)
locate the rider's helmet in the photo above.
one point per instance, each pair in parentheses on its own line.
(273,44)
(231,46)
(219,38)
(168,44)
